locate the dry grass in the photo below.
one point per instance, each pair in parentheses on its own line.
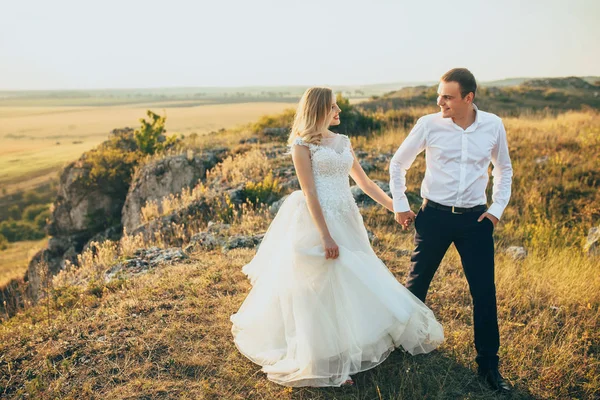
(235,170)
(37,140)
(166,334)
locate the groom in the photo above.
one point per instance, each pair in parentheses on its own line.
(459,143)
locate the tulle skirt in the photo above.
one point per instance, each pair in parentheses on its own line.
(309,321)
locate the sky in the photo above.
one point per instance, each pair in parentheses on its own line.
(65,44)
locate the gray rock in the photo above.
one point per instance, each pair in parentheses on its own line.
(203,241)
(372,237)
(241,241)
(250,140)
(403,253)
(143,260)
(291,184)
(362,199)
(237,195)
(217,227)
(383,158)
(79,209)
(517,253)
(366,165)
(592,245)
(160,178)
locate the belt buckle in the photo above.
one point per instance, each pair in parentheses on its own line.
(453,212)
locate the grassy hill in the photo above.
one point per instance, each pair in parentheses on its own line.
(166,333)
(518,81)
(553,94)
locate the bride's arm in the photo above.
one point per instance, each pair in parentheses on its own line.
(368,186)
(302,164)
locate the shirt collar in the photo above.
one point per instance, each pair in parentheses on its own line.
(477,119)
(475,123)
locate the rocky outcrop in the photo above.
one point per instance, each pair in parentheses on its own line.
(161,178)
(76,204)
(143,260)
(87,210)
(80,212)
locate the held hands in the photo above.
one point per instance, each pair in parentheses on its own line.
(488,216)
(405,218)
(331,248)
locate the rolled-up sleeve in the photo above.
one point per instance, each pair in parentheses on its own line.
(502,174)
(402,160)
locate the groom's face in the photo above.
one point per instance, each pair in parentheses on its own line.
(450,101)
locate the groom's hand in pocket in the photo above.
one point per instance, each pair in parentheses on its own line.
(405,218)
(488,216)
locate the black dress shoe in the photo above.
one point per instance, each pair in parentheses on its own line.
(495,380)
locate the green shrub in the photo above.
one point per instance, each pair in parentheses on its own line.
(150,136)
(3,242)
(42,218)
(111,169)
(15,231)
(66,297)
(283,120)
(265,192)
(31,212)
(399,118)
(353,121)
(14,212)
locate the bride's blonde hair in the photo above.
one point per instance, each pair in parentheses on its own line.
(311,115)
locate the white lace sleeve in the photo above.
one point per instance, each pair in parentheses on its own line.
(347,141)
(300,142)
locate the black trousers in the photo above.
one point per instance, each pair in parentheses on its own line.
(435,231)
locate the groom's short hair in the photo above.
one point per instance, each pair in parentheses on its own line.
(464,78)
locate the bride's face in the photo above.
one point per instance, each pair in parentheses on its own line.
(334,114)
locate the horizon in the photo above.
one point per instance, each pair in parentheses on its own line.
(355,85)
(67,45)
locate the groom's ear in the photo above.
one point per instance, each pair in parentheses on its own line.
(469,97)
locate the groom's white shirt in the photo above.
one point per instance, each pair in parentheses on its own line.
(457,162)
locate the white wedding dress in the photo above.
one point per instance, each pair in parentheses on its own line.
(309,321)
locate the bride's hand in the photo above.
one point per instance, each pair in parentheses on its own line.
(331,248)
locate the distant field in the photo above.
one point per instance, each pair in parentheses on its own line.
(36,141)
(14,260)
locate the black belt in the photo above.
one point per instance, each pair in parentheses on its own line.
(454,210)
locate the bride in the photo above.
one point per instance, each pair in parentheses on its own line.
(323,306)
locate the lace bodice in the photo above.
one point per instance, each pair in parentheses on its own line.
(331,163)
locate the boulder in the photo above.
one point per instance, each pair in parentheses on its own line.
(242,242)
(160,178)
(517,253)
(79,209)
